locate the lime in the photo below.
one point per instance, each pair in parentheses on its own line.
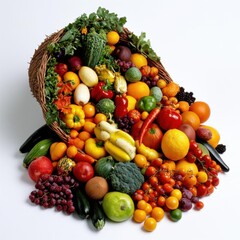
(175,215)
(118,206)
(133,74)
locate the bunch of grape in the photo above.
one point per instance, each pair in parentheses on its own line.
(151,82)
(124,65)
(54,190)
(182,95)
(125,123)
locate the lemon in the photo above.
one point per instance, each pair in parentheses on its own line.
(133,74)
(175,144)
(138,60)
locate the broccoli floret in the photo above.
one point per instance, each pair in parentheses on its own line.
(105,106)
(126,177)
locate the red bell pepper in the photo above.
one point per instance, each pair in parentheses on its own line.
(102,90)
(121,103)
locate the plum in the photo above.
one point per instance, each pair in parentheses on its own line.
(188,130)
(123,53)
(75,63)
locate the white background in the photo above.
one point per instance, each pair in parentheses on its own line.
(199,45)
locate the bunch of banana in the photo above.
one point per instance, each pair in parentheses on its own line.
(119,144)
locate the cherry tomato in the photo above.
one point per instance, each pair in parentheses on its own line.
(83,171)
(201,190)
(150,171)
(168,118)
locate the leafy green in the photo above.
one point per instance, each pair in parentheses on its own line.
(143,46)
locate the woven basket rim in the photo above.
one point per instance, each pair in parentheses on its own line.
(38,66)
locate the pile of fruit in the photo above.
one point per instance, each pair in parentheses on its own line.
(137,144)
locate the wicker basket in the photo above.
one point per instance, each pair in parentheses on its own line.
(37,70)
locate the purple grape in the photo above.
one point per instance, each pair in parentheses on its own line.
(185,204)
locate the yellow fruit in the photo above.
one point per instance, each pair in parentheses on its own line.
(72,78)
(186,167)
(138,60)
(215,135)
(112,37)
(175,144)
(150,224)
(139,215)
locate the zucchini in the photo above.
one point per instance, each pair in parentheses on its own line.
(94,48)
(215,155)
(81,204)
(97,215)
(41,133)
(39,149)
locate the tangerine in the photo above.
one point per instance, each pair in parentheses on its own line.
(138,90)
(171,89)
(175,144)
(138,60)
(202,109)
(191,118)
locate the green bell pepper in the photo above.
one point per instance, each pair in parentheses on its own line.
(146,103)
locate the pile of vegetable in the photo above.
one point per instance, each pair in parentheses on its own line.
(138,146)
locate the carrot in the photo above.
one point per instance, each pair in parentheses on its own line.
(148,121)
(83,157)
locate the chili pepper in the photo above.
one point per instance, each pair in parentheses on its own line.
(148,121)
(102,90)
(146,103)
(121,103)
(81,156)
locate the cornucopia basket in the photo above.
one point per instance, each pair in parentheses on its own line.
(38,68)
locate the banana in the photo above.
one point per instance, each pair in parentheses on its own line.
(116,152)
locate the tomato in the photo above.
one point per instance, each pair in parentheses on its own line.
(168,118)
(83,171)
(172,202)
(150,171)
(134,115)
(201,190)
(152,138)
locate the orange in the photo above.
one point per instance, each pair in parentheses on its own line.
(89,110)
(191,118)
(112,37)
(72,78)
(175,144)
(171,89)
(84,135)
(138,60)
(202,109)
(138,90)
(215,135)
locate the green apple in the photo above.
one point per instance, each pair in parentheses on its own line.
(118,206)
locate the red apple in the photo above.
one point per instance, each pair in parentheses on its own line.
(39,166)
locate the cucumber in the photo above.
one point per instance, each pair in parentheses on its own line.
(41,133)
(39,149)
(97,215)
(81,204)
(215,155)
